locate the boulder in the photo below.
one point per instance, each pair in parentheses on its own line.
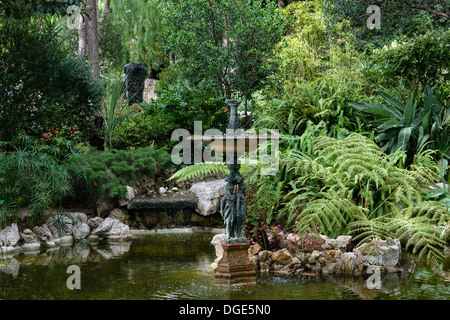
(209,195)
(9,236)
(265,255)
(282,257)
(77,217)
(62,223)
(120,214)
(81,231)
(217,241)
(338,243)
(28,236)
(44,235)
(104,206)
(385,253)
(113,229)
(129,196)
(93,223)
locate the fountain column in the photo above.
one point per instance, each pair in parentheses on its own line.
(235,268)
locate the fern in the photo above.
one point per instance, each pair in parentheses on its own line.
(200,169)
(352,186)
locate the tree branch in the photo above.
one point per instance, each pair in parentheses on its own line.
(445,14)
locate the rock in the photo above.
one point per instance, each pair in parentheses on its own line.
(351,263)
(120,214)
(28,236)
(208,196)
(129,196)
(217,241)
(338,243)
(43,233)
(104,226)
(383,253)
(9,236)
(162,190)
(62,223)
(81,231)
(94,222)
(265,255)
(313,257)
(113,229)
(254,249)
(104,207)
(282,257)
(119,231)
(77,217)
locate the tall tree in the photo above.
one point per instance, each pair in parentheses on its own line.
(88,41)
(228,41)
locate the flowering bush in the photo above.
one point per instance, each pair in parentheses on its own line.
(306,241)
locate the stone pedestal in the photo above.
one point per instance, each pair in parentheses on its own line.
(235,268)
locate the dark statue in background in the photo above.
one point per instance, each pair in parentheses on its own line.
(135,74)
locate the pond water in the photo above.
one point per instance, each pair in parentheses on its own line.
(177,267)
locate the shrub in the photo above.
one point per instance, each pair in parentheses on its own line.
(186,103)
(151,125)
(411,126)
(352,187)
(422,60)
(31,177)
(41,86)
(107,173)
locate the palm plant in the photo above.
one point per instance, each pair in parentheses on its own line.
(409,127)
(114,109)
(31,178)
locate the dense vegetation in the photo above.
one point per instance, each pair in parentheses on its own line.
(363,113)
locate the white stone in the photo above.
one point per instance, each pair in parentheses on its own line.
(81,231)
(129,196)
(208,196)
(9,236)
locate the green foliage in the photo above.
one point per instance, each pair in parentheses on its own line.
(24,8)
(114,109)
(40,85)
(108,173)
(199,169)
(421,60)
(397,20)
(410,127)
(185,103)
(31,177)
(351,186)
(151,126)
(197,31)
(140,25)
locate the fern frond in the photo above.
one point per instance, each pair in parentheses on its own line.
(200,169)
(420,235)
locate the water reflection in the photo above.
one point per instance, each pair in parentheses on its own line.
(177,266)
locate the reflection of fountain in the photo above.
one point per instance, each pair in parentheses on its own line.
(235,266)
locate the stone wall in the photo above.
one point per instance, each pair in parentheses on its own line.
(59,230)
(384,254)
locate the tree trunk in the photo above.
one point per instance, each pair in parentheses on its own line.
(106,10)
(92,37)
(82,45)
